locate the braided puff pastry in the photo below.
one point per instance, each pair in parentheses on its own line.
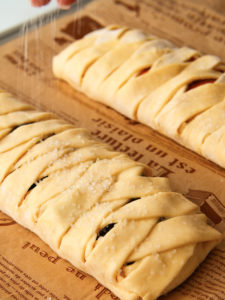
(177,91)
(97,208)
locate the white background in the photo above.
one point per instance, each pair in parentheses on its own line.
(16,12)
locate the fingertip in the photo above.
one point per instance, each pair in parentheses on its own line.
(65,4)
(39,3)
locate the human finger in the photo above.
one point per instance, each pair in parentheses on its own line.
(38,3)
(65,3)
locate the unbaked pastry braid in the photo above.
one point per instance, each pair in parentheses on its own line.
(177,91)
(97,208)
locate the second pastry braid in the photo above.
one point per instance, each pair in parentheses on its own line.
(177,91)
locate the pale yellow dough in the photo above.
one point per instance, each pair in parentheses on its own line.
(177,91)
(95,207)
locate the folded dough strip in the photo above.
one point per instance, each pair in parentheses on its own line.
(124,201)
(76,47)
(4,132)
(188,106)
(180,55)
(210,151)
(9,158)
(198,254)
(116,246)
(101,257)
(148,52)
(132,91)
(166,204)
(84,193)
(154,206)
(179,231)
(102,253)
(88,56)
(132,58)
(152,222)
(106,65)
(26,175)
(11,121)
(15,154)
(127,80)
(127,196)
(100,210)
(72,139)
(10,104)
(131,184)
(81,155)
(128,98)
(113,32)
(49,189)
(86,59)
(139,170)
(46,191)
(147,207)
(198,130)
(68,53)
(24,133)
(161,269)
(89,222)
(152,105)
(16,119)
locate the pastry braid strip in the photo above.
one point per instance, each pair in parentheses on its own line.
(97,208)
(177,91)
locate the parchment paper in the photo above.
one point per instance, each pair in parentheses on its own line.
(29,269)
